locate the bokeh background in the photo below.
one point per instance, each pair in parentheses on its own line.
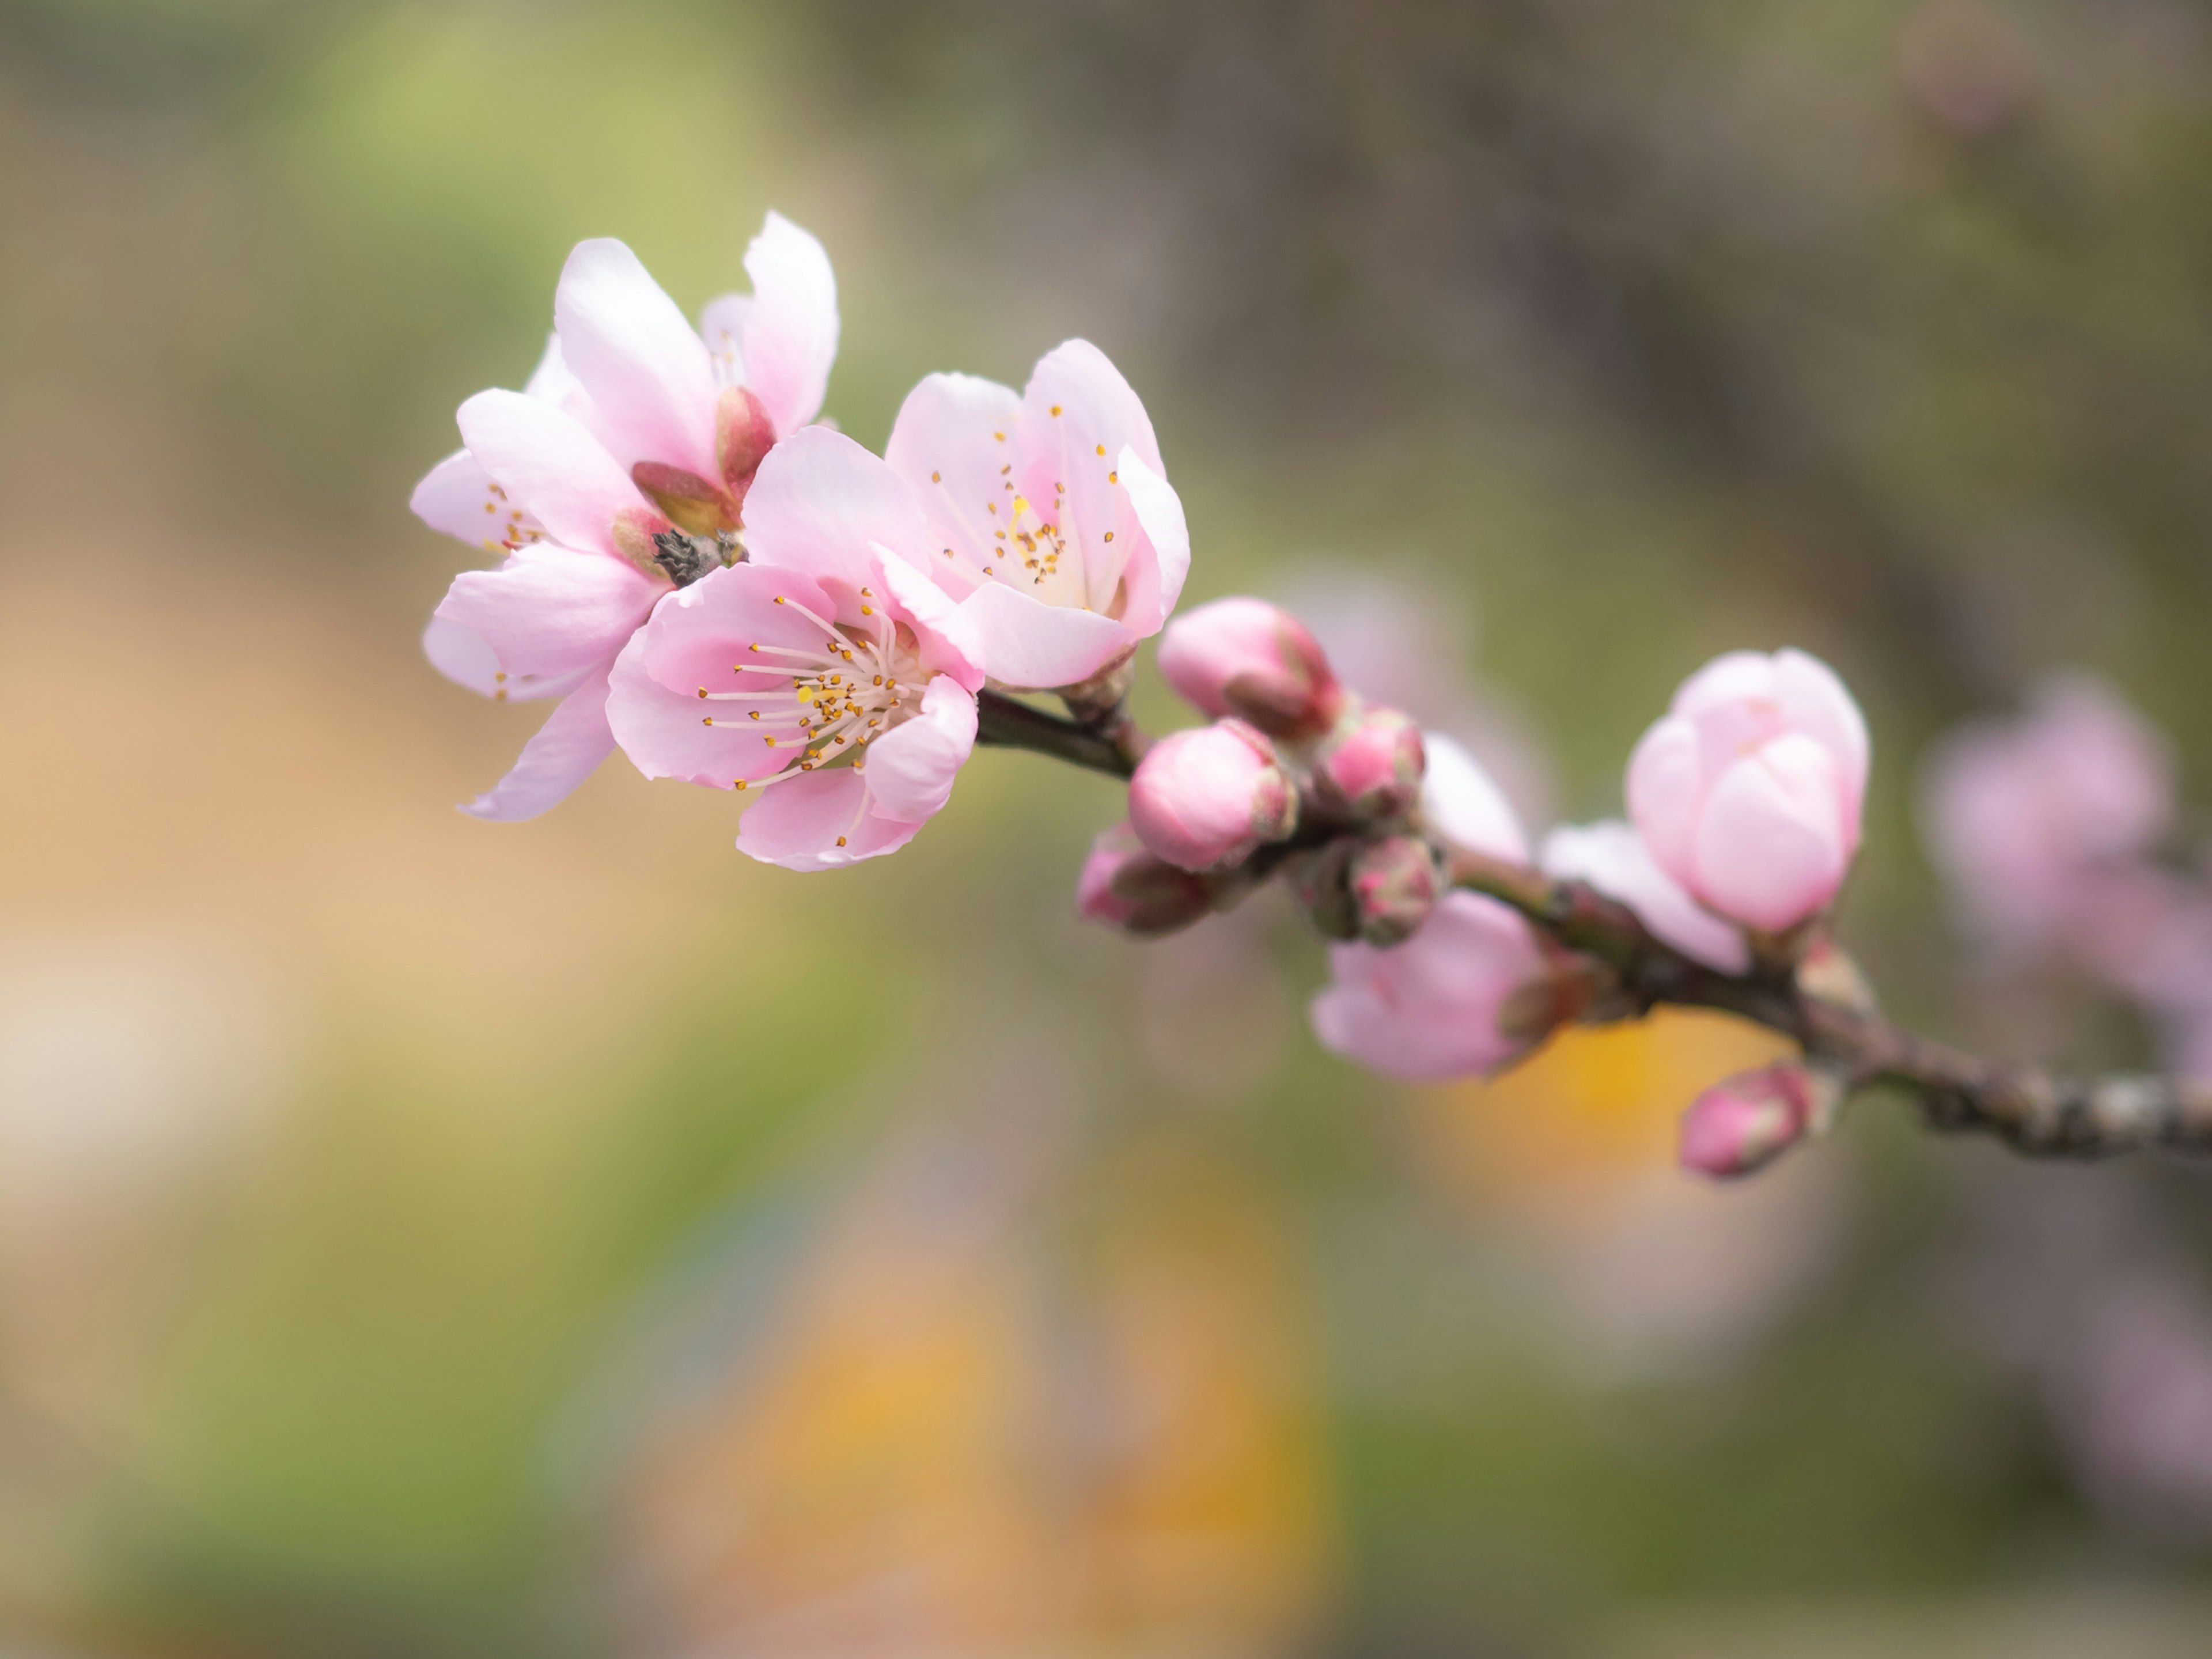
(420,1236)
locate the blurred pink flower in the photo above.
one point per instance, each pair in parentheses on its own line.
(2135,1406)
(632,428)
(1253,660)
(1206,798)
(2035,821)
(1748,790)
(827,668)
(1050,515)
(1124,885)
(1440,1006)
(1612,857)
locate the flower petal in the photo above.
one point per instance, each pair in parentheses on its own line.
(1611,857)
(567,750)
(1463,808)
(1768,851)
(649,376)
(946,633)
(911,769)
(1031,646)
(1159,558)
(1665,787)
(788,337)
(674,734)
(550,467)
(1078,416)
(801,823)
(1429,1009)
(949,443)
(457,496)
(1815,702)
(551,610)
(702,639)
(461,656)
(821,504)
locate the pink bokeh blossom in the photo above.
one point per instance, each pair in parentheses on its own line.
(1748,792)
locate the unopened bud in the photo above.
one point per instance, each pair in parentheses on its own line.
(1125,886)
(1205,799)
(1395,883)
(1248,658)
(1374,763)
(1321,881)
(1747,1122)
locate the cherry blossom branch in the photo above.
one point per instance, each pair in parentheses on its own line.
(1111,745)
(1822,1007)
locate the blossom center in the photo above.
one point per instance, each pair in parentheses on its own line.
(825,701)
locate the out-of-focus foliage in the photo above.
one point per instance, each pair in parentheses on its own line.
(421,1236)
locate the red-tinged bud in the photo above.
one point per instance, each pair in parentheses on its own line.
(1248,658)
(1393,883)
(1127,887)
(1747,1122)
(1373,764)
(743,434)
(1205,798)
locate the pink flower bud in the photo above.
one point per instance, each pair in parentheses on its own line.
(1394,884)
(1250,659)
(1205,799)
(1748,793)
(1125,886)
(1749,1120)
(1374,764)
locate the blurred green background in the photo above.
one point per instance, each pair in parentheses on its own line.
(425,1238)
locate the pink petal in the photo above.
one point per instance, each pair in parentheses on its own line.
(1815,702)
(551,381)
(1463,808)
(1428,1010)
(798,823)
(945,632)
(789,336)
(1732,676)
(1159,559)
(911,769)
(461,656)
(567,750)
(457,496)
(821,504)
(1031,646)
(550,467)
(950,439)
(550,610)
(666,735)
(1611,857)
(649,376)
(722,326)
(1768,853)
(702,637)
(1665,789)
(1078,416)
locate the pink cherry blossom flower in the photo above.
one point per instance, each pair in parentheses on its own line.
(618,472)
(1206,798)
(1253,660)
(827,673)
(1051,517)
(1443,1004)
(1748,792)
(2034,821)
(1612,857)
